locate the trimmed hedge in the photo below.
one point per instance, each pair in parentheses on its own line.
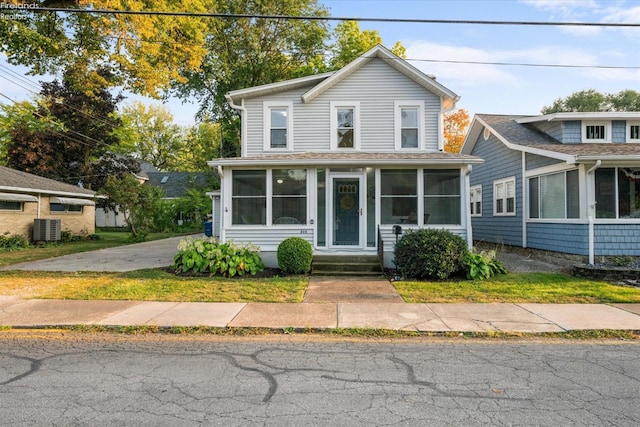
(295,255)
(430,254)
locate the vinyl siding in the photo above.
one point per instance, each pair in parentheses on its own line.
(553,129)
(376,86)
(490,228)
(268,238)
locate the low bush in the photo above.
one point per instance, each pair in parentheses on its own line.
(295,255)
(13,241)
(483,264)
(212,257)
(430,254)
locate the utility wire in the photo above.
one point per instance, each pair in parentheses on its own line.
(325,18)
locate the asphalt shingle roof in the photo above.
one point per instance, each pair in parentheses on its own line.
(11,178)
(175,184)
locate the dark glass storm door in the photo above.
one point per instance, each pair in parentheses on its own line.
(347,212)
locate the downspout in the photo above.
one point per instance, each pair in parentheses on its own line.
(243,112)
(467,210)
(591,205)
(525,199)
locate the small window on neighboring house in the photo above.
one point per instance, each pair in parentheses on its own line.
(409,124)
(475,200)
(345,131)
(504,196)
(633,132)
(595,132)
(278,127)
(10,205)
(63,208)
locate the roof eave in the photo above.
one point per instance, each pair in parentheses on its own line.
(48,192)
(344,162)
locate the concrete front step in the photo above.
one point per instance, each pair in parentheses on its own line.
(347,273)
(328,265)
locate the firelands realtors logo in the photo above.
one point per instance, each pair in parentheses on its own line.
(11,11)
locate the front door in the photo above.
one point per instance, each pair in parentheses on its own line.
(348,216)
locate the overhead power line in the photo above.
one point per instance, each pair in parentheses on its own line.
(326,18)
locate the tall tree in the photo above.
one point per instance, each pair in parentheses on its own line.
(149,134)
(351,42)
(84,113)
(456,124)
(591,100)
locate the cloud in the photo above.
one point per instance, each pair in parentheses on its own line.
(566,9)
(431,58)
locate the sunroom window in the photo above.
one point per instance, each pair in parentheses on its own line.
(399,196)
(617,193)
(249,197)
(289,200)
(442,196)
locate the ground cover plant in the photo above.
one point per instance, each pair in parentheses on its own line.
(209,256)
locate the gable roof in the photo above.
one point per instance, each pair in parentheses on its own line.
(175,184)
(22,182)
(381,52)
(517,134)
(319,83)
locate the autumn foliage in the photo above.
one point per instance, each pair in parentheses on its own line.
(455,130)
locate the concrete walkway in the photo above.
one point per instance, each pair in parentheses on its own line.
(528,318)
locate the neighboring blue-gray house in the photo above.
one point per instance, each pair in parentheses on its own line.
(340,158)
(564,182)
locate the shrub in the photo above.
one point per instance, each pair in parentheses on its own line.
(430,254)
(210,256)
(295,255)
(483,264)
(13,241)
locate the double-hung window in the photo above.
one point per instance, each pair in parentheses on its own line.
(409,124)
(278,128)
(475,200)
(504,196)
(345,125)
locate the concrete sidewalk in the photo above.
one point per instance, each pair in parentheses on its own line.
(529,318)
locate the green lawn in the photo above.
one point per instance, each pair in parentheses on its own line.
(520,287)
(158,285)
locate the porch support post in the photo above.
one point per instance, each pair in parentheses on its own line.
(591,208)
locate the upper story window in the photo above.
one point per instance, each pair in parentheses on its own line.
(475,200)
(504,196)
(633,132)
(278,128)
(409,124)
(596,132)
(345,125)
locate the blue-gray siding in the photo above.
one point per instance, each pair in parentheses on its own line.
(533,161)
(490,228)
(567,238)
(617,239)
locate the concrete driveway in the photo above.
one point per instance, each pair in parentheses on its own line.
(154,254)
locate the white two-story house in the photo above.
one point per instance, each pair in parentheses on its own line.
(340,158)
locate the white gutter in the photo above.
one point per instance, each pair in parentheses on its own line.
(591,206)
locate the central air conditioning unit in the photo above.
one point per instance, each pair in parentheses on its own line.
(46,230)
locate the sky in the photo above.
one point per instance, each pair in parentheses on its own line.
(495,69)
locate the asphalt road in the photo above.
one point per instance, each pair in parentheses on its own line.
(75,379)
